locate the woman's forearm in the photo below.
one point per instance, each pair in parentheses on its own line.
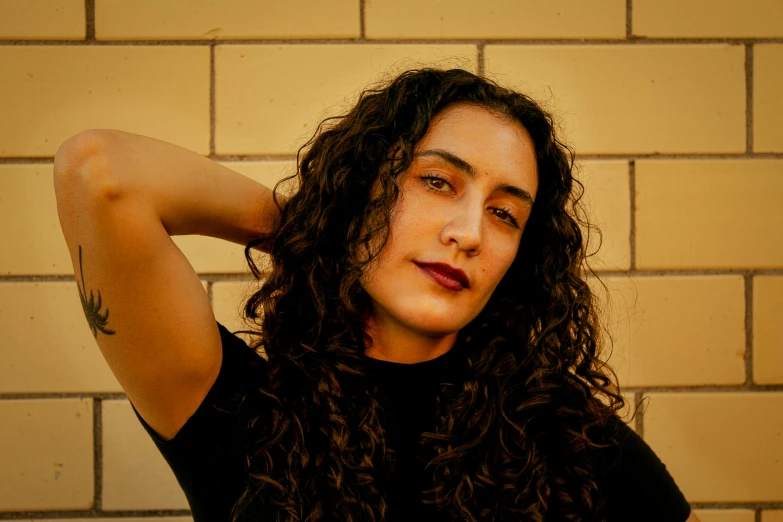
(189,193)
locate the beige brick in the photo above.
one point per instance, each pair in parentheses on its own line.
(627,413)
(719,447)
(36,19)
(633,98)
(767,329)
(767,104)
(49,93)
(135,474)
(498,19)
(607,200)
(211,255)
(725,515)
(674,330)
(228,302)
(268,173)
(709,213)
(47,346)
(270,99)
(707,19)
(47,457)
(209,20)
(774,515)
(33,242)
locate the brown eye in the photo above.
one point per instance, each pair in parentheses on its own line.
(511,219)
(506,215)
(430,178)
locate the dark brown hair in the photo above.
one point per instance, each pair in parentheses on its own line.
(512,441)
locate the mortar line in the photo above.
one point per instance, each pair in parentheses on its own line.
(97,448)
(637,398)
(640,416)
(212,154)
(579,157)
(362,20)
(89,21)
(635,40)
(681,156)
(755,389)
(247,276)
(749,330)
(629,19)
(737,505)
(632,190)
(480,64)
(749,98)
(86,514)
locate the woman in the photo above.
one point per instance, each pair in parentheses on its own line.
(431,345)
(460,168)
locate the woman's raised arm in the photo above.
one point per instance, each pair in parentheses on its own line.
(190,194)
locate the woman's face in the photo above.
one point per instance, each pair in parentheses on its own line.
(465,219)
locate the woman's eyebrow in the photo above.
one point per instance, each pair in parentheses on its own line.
(470,171)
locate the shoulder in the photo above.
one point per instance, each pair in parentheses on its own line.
(634,481)
(242,369)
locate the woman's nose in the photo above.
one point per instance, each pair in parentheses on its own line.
(465,228)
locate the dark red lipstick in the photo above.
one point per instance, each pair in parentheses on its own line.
(454,274)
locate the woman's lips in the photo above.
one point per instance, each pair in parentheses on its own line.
(442,279)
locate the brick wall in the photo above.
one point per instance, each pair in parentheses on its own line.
(675,110)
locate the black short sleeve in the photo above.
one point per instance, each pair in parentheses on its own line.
(207,454)
(238,363)
(637,486)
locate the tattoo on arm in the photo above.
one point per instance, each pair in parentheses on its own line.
(92,309)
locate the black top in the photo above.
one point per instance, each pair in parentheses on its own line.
(208,459)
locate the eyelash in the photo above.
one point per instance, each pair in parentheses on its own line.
(428,177)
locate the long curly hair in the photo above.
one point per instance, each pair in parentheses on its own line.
(512,440)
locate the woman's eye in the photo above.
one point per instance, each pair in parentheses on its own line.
(505,215)
(431,182)
(511,220)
